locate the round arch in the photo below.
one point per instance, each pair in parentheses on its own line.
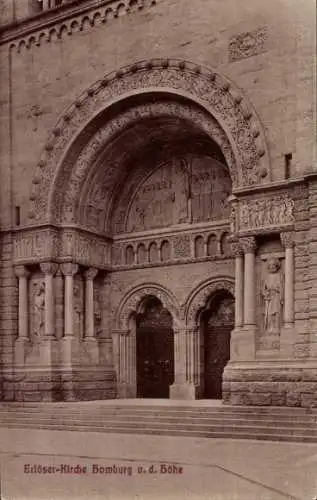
(134,301)
(102,113)
(200,297)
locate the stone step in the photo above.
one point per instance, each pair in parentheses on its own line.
(92,418)
(211,433)
(290,419)
(93,423)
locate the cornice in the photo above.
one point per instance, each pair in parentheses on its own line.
(270,187)
(38,28)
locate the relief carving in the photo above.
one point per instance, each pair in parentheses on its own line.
(181,246)
(272,292)
(255,214)
(247,44)
(39,311)
(193,189)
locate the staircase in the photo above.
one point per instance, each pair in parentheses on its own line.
(166,419)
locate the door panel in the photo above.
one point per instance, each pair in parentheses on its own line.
(155,354)
(218,324)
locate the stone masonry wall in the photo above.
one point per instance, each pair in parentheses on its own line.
(265,48)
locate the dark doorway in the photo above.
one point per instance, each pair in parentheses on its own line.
(217,324)
(155,351)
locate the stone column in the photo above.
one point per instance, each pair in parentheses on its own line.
(243,339)
(49,269)
(249,246)
(59,304)
(287,336)
(106,342)
(187,363)
(287,240)
(68,342)
(69,270)
(47,344)
(126,372)
(90,339)
(23,321)
(239,284)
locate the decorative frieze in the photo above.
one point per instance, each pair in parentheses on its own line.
(262,214)
(41,245)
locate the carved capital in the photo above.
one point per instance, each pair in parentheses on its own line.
(287,239)
(21,271)
(248,244)
(236,248)
(91,273)
(69,269)
(49,267)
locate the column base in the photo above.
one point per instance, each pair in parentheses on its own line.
(242,342)
(185,391)
(126,391)
(92,348)
(21,349)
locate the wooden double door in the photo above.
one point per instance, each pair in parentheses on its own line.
(155,351)
(217,324)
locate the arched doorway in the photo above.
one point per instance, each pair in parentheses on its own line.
(217,322)
(155,350)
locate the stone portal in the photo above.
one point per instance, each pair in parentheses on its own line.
(155,351)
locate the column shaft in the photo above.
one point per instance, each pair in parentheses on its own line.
(249,289)
(239,291)
(289,286)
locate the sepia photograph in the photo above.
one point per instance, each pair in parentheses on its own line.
(158,250)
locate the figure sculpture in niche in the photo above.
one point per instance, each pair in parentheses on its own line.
(272,293)
(39,310)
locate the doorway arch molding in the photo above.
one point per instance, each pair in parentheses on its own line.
(215,94)
(199,298)
(135,300)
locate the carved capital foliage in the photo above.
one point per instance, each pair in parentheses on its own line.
(21,271)
(91,273)
(248,244)
(240,133)
(199,299)
(53,245)
(134,302)
(237,249)
(288,239)
(49,267)
(69,269)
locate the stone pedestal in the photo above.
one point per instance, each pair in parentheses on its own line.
(184,391)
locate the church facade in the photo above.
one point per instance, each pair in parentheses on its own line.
(158,201)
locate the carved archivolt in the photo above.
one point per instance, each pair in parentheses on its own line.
(133,303)
(199,298)
(213,104)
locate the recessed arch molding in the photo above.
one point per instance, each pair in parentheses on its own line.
(97,112)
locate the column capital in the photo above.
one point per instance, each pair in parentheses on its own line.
(49,267)
(287,239)
(248,244)
(69,268)
(21,271)
(91,273)
(236,248)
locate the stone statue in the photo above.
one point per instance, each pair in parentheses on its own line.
(39,310)
(272,293)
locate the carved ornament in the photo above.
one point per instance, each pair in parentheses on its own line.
(248,44)
(263,213)
(199,298)
(53,245)
(287,239)
(134,300)
(248,244)
(217,97)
